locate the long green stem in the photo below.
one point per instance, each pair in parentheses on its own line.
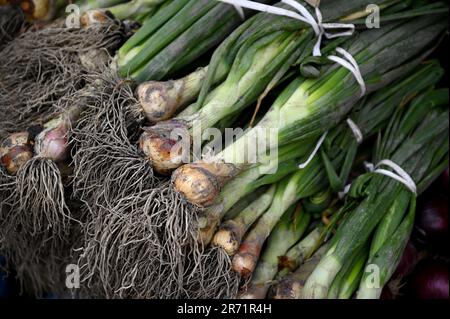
(130,9)
(382,265)
(290,286)
(350,283)
(288,231)
(415,140)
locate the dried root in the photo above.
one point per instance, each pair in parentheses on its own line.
(216,278)
(129,254)
(40,198)
(40,66)
(37,227)
(11,21)
(108,166)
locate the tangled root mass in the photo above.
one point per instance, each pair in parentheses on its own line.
(39,67)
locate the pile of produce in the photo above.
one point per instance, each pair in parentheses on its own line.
(224,148)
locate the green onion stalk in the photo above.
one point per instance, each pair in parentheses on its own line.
(300,260)
(291,286)
(39,223)
(123,10)
(416,140)
(346,282)
(341,145)
(48,65)
(286,233)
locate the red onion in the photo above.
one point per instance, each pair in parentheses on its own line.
(432,221)
(408,262)
(387,294)
(444,180)
(430,280)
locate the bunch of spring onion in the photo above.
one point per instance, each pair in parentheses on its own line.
(36,162)
(157,50)
(380,210)
(253,55)
(137,10)
(256,56)
(307,108)
(181,225)
(286,228)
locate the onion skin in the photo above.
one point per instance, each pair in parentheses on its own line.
(432,221)
(258,291)
(246,259)
(229,237)
(430,280)
(159,152)
(200,183)
(15,151)
(96,16)
(159,147)
(52,143)
(159,100)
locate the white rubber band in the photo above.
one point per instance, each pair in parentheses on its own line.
(369,166)
(345,191)
(355,130)
(302,14)
(240,11)
(316,149)
(399,174)
(351,65)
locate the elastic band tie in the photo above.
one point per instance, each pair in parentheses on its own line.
(345,191)
(399,174)
(240,11)
(351,65)
(316,149)
(303,15)
(355,130)
(369,166)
